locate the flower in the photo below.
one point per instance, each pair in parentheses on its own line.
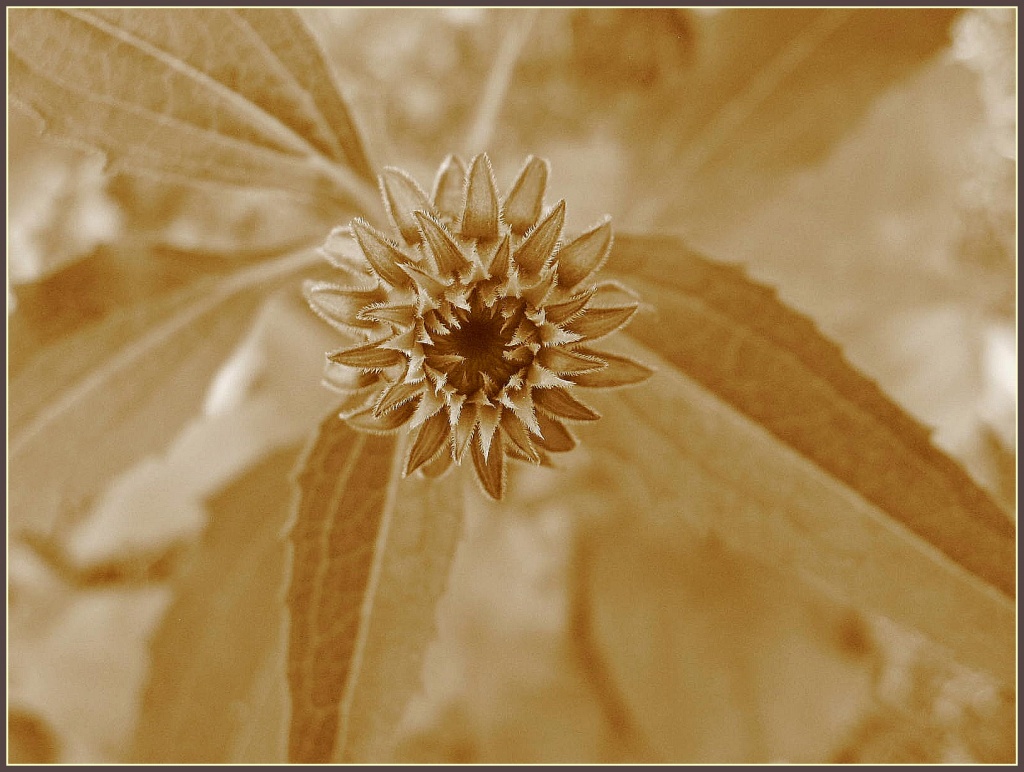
(472,326)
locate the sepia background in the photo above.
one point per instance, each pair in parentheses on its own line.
(861,163)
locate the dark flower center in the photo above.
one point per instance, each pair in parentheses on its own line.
(478,354)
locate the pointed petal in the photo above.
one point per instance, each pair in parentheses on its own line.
(368,356)
(463,431)
(541,378)
(539,292)
(521,402)
(537,248)
(384,257)
(358,400)
(429,442)
(542,459)
(595,323)
(490,466)
(526,199)
(403,197)
(441,464)
(428,406)
(340,306)
(614,293)
(516,432)
(553,335)
(560,360)
(554,436)
(345,380)
(480,217)
(501,262)
(526,332)
(455,403)
(447,255)
(343,252)
(397,394)
(366,421)
(620,371)
(487,423)
(400,315)
(450,188)
(405,342)
(425,281)
(584,255)
(560,312)
(558,402)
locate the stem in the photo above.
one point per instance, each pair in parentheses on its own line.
(481,132)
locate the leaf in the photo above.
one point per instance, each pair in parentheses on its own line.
(424,532)
(218,655)
(122,394)
(707,656)
(805,460)
(224,626)
(231,96)
(368,568)
(804,79)
(728,104)
(346,495)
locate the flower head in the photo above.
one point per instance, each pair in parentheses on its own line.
(472,325)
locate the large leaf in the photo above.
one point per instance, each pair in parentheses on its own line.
(224,628)
(848,488)
(127,386)
(231,96)
(705,655)
(368,568)
(681,119)
(805,78)
(222,643)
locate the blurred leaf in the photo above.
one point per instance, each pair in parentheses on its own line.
(713,657)
(342,513)
(232,96)
(121,389)
(727,103)
(30,740)
(804,78)
(224,626)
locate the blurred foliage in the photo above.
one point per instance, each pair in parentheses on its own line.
(890,218)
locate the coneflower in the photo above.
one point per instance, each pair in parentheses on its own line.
(474,323)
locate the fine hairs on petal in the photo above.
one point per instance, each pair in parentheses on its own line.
(450,189)
(480,216)
(402,198)
(469,314)
(526,198)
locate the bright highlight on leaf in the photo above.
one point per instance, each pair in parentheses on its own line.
(481,323)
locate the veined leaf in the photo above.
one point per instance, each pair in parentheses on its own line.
(368,568)
(127,401)
(231,96)
(425,529)
(865,503)
(346,498)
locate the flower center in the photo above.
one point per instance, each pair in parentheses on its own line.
(478,354)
